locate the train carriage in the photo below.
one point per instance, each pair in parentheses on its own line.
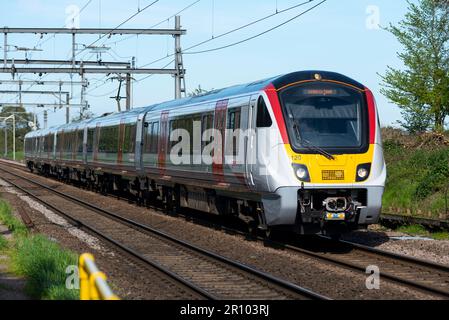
(302,151)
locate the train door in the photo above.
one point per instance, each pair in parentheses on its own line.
(85,145)
(220,120)
(139,143)
(163,142)
(121,141)
(53,151)
(96,142)
(250,143)
(61,146)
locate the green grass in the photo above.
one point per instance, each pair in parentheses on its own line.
(3,243)
(7,219)
(414,229)
(41,261)
(419,230)
(19,155)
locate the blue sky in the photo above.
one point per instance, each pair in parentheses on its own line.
(334,37)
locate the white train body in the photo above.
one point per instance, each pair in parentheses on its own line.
(301,151)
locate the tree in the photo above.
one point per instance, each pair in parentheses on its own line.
(421,90)
(23,120)
(198,92)
(86,115)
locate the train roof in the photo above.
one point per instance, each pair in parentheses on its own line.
(214,95)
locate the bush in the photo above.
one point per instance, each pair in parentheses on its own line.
(418,173)
(436,176)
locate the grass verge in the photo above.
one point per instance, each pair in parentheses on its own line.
(42,262)
(20,155)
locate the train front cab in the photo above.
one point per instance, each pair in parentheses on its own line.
(335,170)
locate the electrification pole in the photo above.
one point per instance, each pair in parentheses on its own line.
(13,117)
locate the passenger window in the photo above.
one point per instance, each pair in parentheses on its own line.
(152,138)
(207,122)
(80,141)
(130,139)
(108,140)
(234,125)
(90,140)
(263,116)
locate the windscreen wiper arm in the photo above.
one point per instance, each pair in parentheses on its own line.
(309,145)
(321,151)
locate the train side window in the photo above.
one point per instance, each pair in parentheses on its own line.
(148,138)
(90,140)
(58,142)
(234,125)
(80,137)
(45,143)
(67,142)
(130,138)
(207,123)
(263,116)
(173,126)
(152,138)
(109,140)
(154,146)
(51,142)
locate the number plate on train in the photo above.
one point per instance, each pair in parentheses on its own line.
(335,216)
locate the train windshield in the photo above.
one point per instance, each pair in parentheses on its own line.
(329,116)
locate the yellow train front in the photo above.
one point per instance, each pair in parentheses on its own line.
(325,169)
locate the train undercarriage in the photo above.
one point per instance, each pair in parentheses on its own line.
(146,192)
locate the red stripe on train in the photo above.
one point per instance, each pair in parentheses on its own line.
(273,97)
(220,125)
(163,142)
(372,115)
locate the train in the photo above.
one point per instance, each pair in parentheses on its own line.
(300,152)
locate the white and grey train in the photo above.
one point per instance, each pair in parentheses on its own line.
(301,151)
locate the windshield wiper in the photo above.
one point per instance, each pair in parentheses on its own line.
(321,151)
(308,145)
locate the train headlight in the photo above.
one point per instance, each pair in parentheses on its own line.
(302,173)
(363,172)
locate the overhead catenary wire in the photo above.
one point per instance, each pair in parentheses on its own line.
(106,34)
(40,44)
(152,27)
(157,24)
(259,34)
(111,92)
(233,30)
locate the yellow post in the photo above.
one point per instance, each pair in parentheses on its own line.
(84,277)
(93,285)
(94,294)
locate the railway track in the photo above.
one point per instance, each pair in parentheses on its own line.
(417,274)
(414,273)
(209,274)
